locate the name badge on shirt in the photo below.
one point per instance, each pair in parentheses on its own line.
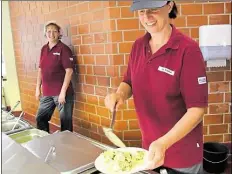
(56,54)
(201,80)
(166,70)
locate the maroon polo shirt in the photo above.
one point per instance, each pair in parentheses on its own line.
(164,86)
(53,64)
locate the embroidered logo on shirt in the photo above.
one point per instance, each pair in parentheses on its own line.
(201,80)
(56,54)
(71,58)
(166,70)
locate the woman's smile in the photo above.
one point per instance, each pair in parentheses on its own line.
(150,24)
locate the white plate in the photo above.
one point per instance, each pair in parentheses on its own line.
(102,166)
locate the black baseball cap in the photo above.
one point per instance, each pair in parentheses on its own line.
(143,4)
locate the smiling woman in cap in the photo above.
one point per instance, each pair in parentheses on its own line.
(143,4)
(167,77)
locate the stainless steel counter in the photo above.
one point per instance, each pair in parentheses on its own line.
(17,160)
(9,124)
(69,153)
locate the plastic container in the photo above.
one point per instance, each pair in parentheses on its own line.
(215,157)
(216,52)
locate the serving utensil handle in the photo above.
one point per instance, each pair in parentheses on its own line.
(113,116)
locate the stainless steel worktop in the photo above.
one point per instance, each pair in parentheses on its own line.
(69,153)
(17,160)
(9,124)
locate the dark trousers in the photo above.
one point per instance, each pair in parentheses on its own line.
(46,109)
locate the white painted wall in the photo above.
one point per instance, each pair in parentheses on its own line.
(11,86)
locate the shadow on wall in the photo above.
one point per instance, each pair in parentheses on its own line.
(66,39)
(74,79)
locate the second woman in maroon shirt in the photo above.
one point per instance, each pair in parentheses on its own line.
(54,75)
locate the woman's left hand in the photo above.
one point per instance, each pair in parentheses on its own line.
(156,154)
(61,98)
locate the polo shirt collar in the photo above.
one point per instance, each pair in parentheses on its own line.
(57,45)
(173,42)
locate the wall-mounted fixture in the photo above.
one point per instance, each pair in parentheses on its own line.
(215,44)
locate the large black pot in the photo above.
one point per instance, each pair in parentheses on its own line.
(215,157)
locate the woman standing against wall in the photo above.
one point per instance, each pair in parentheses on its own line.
(54,75)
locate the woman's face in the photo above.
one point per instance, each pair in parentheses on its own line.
(52,33)
(154,20)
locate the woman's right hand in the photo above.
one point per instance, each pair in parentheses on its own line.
(37,94)
(111,99)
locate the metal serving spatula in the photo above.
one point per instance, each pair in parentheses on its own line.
(109,131)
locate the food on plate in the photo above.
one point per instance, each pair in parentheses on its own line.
(121,161)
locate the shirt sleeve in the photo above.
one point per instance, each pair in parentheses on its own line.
(40,59)
(67,57)
(193,80)
(127,74)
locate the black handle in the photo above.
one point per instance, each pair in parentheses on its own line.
(113,116)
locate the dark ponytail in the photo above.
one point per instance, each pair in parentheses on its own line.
(174,12)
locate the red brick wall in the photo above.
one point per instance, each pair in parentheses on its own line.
(100,34)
